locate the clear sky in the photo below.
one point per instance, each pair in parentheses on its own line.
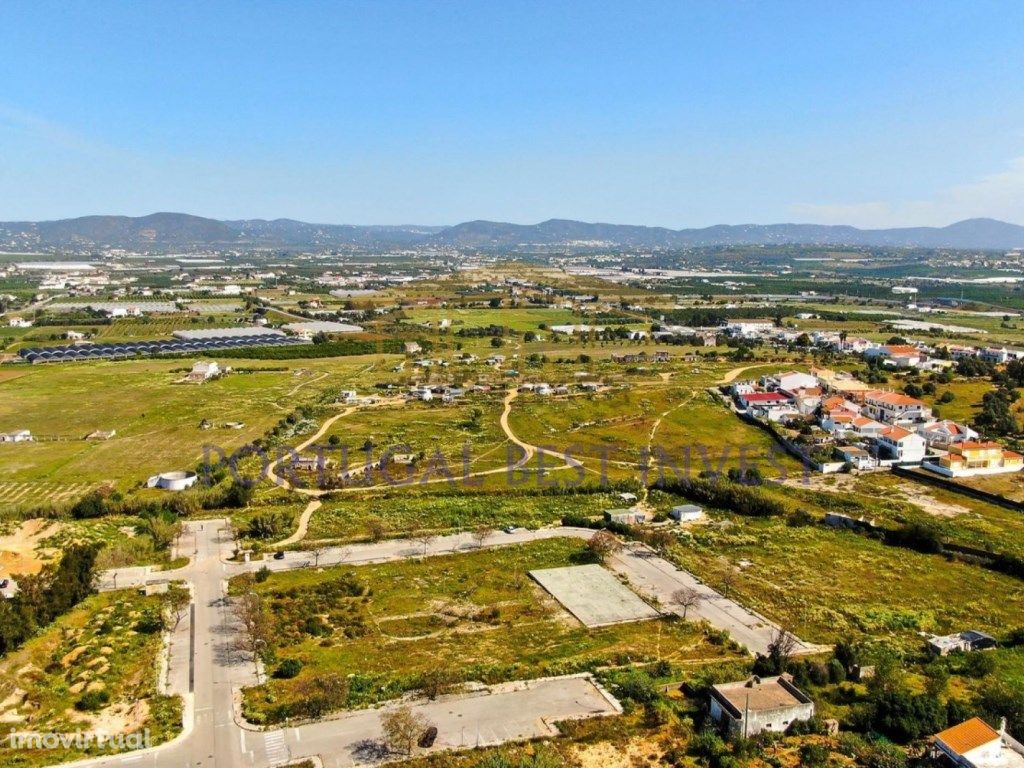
(676,114)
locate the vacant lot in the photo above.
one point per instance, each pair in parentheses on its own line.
(681,426)
(404,512)
(94,669)
(476,616)
(828,584)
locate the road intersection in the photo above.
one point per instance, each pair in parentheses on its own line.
(206,670)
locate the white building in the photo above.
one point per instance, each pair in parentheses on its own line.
(902,445)
(686,513)
(895,408)
(751,706)
(204,370)
(941,434)
(19,322)
(790,380)
(897,355)
(18,436)
(976,744)
(749,328)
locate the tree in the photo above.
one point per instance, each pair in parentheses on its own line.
(161,529)
(402,728)
(780,650)
(269,525)
(481,535)
(423,538)
(660,538)
(254,635)
(319,694)
(177,600)
(318,552)
(687,598)
(603,545)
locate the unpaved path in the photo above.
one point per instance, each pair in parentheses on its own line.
(19,551)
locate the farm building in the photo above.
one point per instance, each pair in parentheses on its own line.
(966,642)
(686,513)
(173,481)
(18,436)
(203,371)
(748,707)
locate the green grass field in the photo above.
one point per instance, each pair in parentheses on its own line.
(828,584)
(404,512)
(156,420)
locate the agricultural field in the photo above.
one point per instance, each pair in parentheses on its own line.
(476,616)
(518,320)
(94,669)
(156,420)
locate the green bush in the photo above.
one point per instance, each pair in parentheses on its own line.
(288,669)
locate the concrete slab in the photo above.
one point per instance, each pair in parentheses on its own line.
(593,595)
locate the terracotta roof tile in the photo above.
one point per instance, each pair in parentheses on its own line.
(969,735)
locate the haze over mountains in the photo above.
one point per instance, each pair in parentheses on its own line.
(179,230)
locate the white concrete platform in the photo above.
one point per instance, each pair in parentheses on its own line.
(593,595)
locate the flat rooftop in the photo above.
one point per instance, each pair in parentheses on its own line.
(224,333)
(593,595)
(323,326)
(758,695)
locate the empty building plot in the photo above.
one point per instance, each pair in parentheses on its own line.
(593,595)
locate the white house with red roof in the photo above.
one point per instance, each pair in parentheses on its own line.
(943,433)
(895,408)
(898,355)
(901,445)
(976,744)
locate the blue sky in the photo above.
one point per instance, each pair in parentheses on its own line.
(675,114)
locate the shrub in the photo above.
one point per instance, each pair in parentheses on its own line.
(288,669)
(92,701)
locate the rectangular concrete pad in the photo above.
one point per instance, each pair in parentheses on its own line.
(593,595)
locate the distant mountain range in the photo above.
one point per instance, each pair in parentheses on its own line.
(179,230)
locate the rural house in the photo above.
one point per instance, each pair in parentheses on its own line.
(748,707)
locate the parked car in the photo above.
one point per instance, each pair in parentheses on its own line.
(279,555)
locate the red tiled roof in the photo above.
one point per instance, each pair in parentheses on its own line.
(969,735)
(765,397)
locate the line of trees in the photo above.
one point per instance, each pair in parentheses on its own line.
(43,597)
(725,494)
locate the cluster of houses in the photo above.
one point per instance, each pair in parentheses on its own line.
(773,704)
(868,428)
(909,355)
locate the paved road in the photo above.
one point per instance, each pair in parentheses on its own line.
(213,739)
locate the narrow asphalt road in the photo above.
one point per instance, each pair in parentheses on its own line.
(214,738)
